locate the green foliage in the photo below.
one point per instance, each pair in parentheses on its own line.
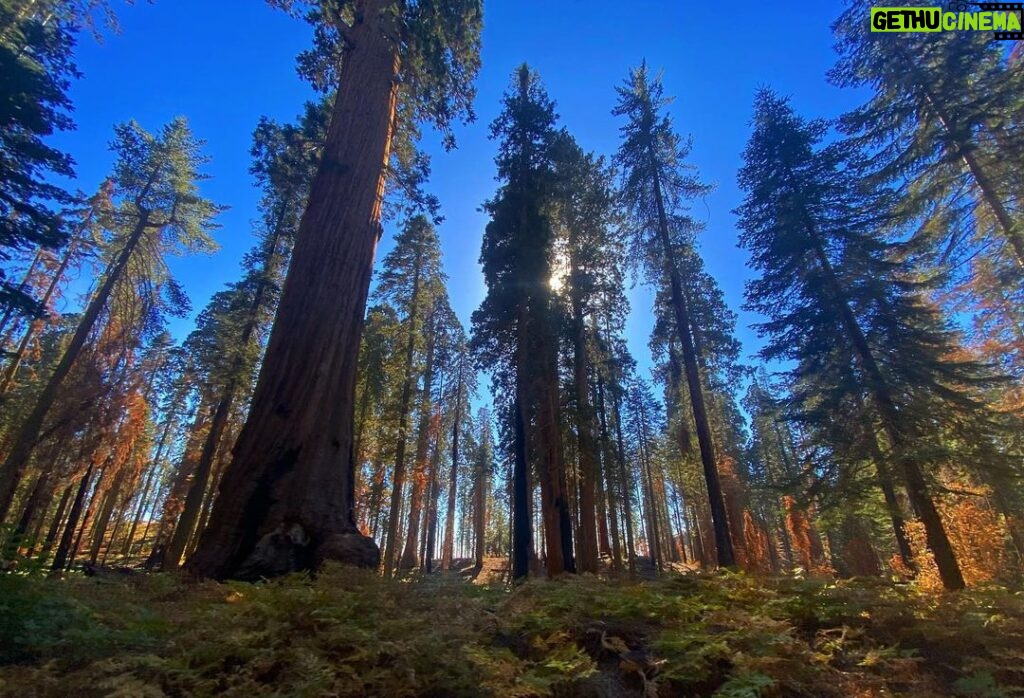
(846,306)
(438,44)
(350,633)
(36,65)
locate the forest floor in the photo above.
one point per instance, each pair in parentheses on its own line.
(350,633)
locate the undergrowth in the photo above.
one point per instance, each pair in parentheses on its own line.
(350,633)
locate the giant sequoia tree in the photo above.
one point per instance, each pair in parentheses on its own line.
(515,325)
(292,466)
(591,252)
(657,184)
(227,341)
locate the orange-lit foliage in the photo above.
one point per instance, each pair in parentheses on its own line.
(808,552)
(735,494)
(997,320)
(756,545)
(978,537)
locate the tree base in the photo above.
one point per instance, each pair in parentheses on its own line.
(349,549)
(288,549)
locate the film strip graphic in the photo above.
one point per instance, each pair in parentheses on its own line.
(1017,7)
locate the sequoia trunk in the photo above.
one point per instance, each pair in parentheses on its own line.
(292,468)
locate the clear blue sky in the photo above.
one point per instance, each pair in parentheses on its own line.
(223,63)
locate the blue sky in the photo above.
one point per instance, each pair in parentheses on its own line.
(223,63)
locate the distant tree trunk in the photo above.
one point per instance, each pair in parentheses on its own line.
(677,540)
(653,544)
(186,527)
(608,470)
(61,558)
(420,479)
(376,500)
(604,546)
(892,504)
(719,517)
(620,452)
(58,519)
(150,478)
(449,529)
(430,513)
(27,436)
(223,455)
(700,551)
(181,480)
(293,460)
(106,510)
(359,446)
(398,477)
(588,475)
(480,487)
(551,458)
(149,521)
(36,499)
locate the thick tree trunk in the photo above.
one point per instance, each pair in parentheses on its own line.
(188,523)
(292,473)
(522,529)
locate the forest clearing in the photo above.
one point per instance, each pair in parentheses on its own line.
(373,349)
